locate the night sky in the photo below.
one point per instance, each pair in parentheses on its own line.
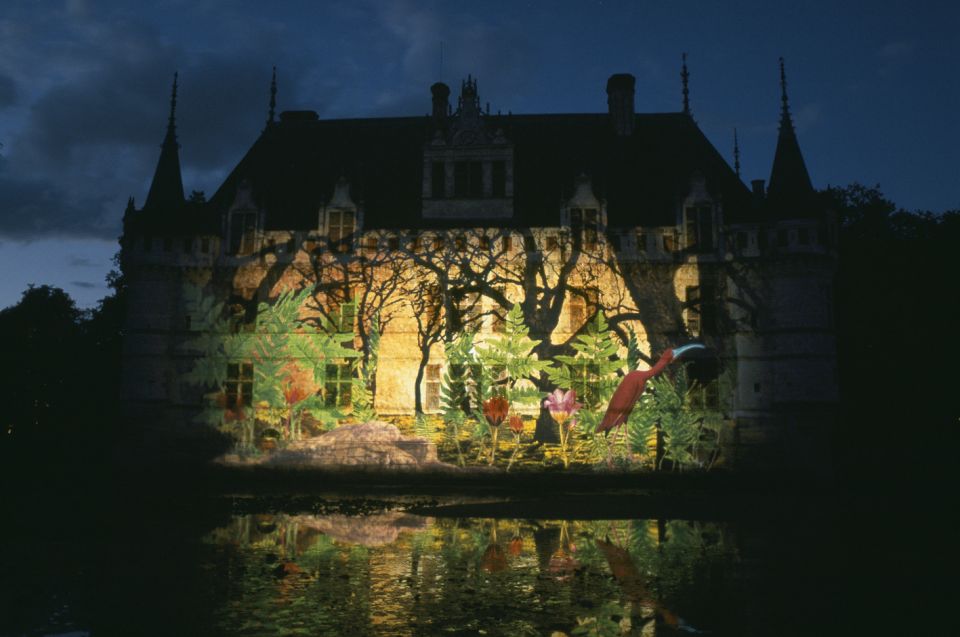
(84,90)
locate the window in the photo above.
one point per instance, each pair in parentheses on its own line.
(700,313)
(239,386)
(370,244)
(583,226)
(692,311)
(669,241)
(431,388)
(499,174)
(469,309)
(498,322)
(438,180)
(393,243)
(340,229)
(468,179)
(346,314)
(617,242)
(507,243)
(704,390)
(432,302)
(699,228)
(586,382)
(337,385)
(271,248)
(243,226)
(577,313)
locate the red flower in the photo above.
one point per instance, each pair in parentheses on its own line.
(493,560)
(516,424)
(495,410)
(294,394)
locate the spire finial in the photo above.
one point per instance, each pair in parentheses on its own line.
(685,77)
(736,152)
(273,97)
(171,123)
(785,112)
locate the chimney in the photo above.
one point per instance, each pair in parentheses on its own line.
(441,101)
(758,188)
(620,102)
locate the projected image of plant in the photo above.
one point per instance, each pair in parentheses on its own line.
(273,373)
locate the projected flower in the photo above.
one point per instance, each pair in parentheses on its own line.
(495,410)
(563,406)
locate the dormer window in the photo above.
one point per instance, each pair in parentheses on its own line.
(700,217)
(584,224)
(584,214)
(242,222)
(499,179)
(438,182)
(467,164)
(468,179)
(342,218)
(243,232)
(340,229)
(698,227)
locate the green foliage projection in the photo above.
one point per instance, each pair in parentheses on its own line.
(592,372)
(690,436)
(269,373)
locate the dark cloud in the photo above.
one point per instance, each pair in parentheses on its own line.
(93,138)
(8,92)
(84,284)
(31,208)
(81,262)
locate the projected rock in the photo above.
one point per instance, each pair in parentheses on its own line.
(372,443)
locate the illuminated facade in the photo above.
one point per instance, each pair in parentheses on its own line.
(408,231)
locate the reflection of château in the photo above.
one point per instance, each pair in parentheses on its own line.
(441,223)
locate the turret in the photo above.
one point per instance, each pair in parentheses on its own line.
(790,192)
(166,190)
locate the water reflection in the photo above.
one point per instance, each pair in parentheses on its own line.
(395,573)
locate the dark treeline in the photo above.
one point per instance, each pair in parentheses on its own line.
(61,377)
(896,312)
(896,305)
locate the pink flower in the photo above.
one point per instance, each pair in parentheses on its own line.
(562,405)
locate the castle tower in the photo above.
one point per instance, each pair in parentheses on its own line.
(787,365)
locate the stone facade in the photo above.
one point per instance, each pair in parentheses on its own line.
(438,224)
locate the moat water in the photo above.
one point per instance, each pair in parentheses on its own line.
(319,566)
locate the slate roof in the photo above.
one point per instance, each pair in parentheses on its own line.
(295,163)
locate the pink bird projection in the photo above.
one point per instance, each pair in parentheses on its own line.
(631,387)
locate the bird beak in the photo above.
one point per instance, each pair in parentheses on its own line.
(677,352)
